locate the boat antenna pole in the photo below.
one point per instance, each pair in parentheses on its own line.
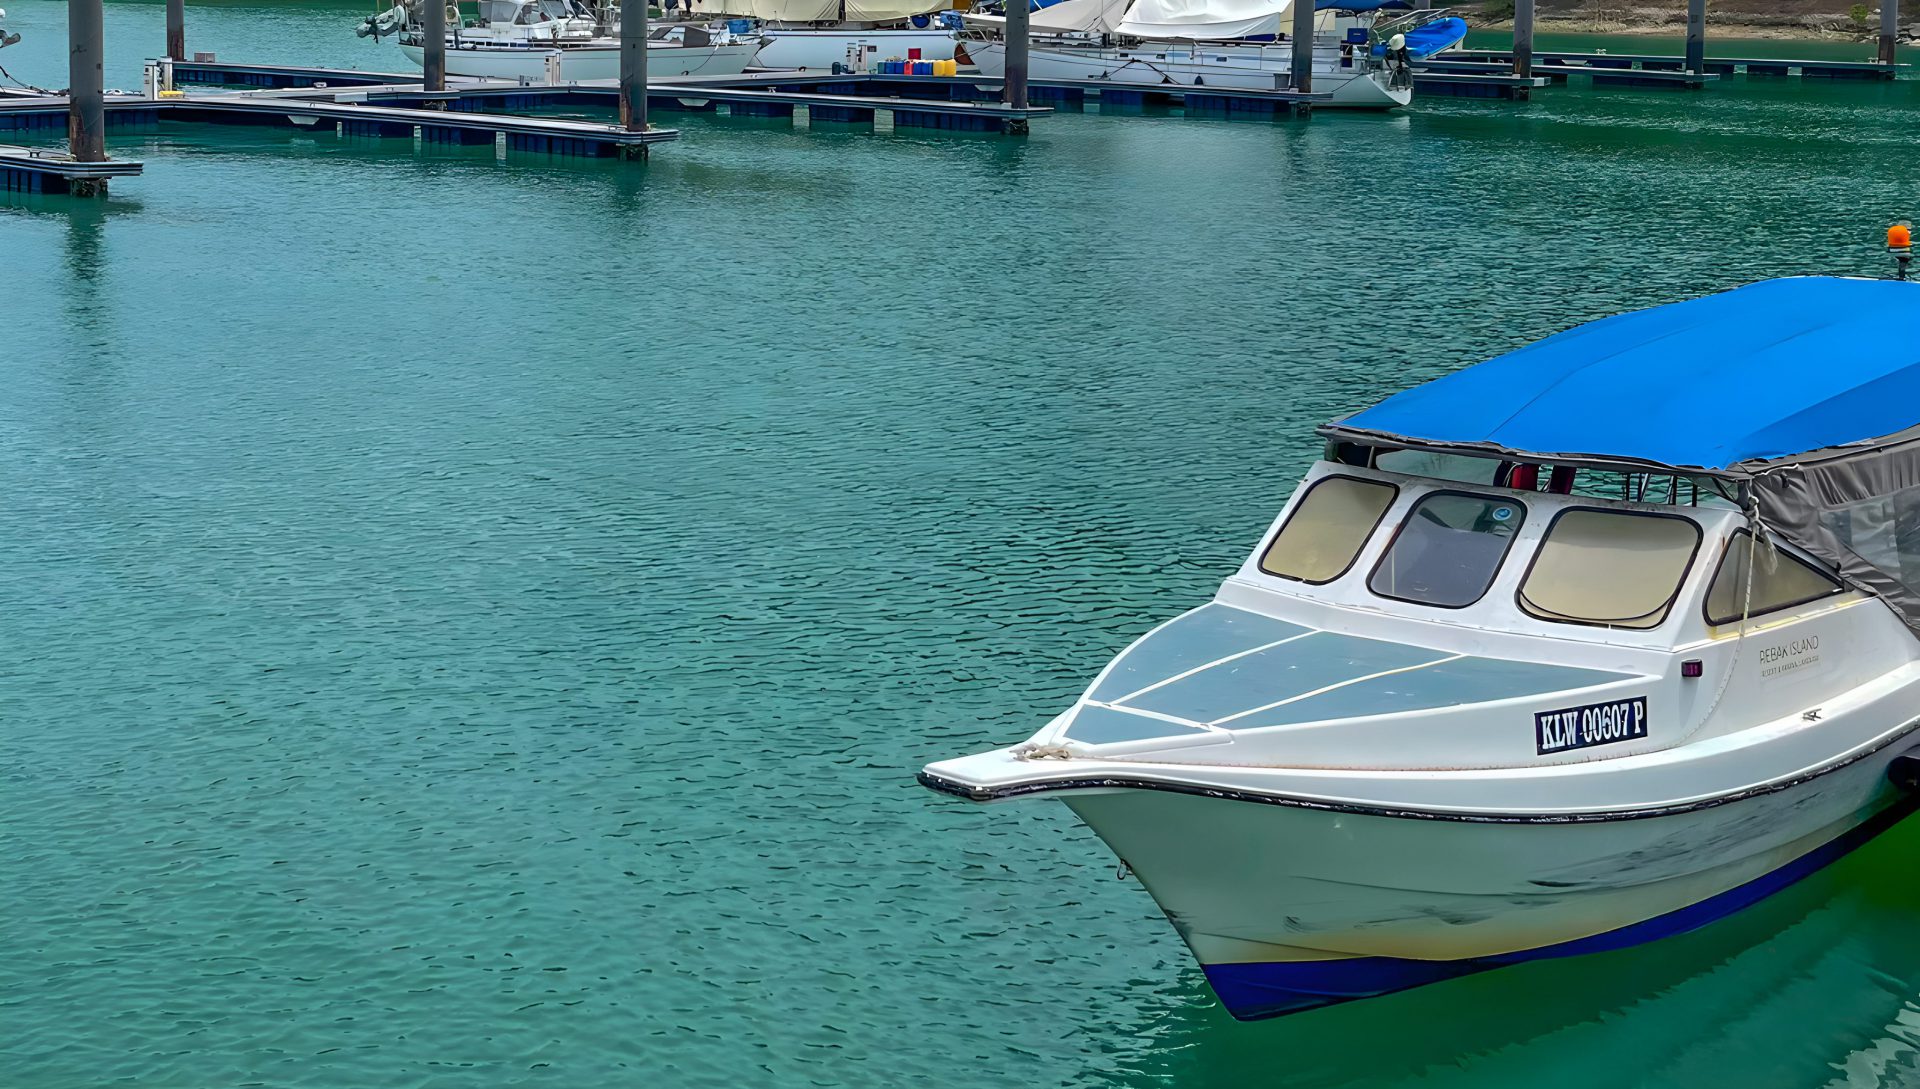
(1900,245)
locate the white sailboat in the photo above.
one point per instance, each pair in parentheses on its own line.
(1198,43)
(542,39)
(818,34)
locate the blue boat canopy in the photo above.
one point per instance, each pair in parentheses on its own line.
(1805,391)
(1725,384)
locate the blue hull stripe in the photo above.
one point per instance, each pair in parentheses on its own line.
(1270,989)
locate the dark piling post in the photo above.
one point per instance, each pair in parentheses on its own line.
(633,70)
(177,29)
(1889,28)
(1523,38)
(433,32)
(86,104)
(1301,66)
(1696,36)
(1014,90)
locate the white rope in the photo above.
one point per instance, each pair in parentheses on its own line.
(1043,752)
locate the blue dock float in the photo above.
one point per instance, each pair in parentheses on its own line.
(46,170)
(279,76)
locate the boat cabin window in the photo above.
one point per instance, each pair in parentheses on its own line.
(1328,525)
(1613,568)
(1448,549)
(1780,581)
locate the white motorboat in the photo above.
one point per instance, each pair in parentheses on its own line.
(536,40)
(1159,42)
(1592,643)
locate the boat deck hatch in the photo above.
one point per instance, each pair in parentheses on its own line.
(1231,669)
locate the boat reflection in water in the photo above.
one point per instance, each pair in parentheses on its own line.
(1587,645)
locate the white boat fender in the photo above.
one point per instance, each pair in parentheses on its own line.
(1904,771)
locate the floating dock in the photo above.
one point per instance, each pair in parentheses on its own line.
(553,136)
(947,102)
(43,170)
(1476,81)
(838,100)
(1597,63)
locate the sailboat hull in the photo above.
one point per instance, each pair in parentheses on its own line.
(808,49)
(1229,67)
(589,62)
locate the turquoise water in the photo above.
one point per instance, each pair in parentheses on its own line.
(473,622)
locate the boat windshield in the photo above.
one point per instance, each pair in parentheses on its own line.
(498,11)
(1618,569)
(1448,549)
(1328,526)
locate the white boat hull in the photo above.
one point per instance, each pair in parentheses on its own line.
(1226,67)
(1293,906)
(581,63)
(810,49)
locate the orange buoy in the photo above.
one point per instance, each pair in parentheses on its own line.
(1899,237)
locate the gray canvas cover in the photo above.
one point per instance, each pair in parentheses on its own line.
(1857,509)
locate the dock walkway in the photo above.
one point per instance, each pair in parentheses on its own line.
(1592,63)
(556,136)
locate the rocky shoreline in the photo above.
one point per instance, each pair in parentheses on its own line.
(1819,24)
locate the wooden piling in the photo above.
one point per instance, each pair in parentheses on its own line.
(1696,36)
(86,102)
(633,71)
(433,45)
(1523,38)
(1013,90)
(1301,68)
(177,29)
(1889,29)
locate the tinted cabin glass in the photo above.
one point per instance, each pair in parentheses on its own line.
(1448,550)
(1605,567)
(1884,531)
(1326,529)
(1780,581)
